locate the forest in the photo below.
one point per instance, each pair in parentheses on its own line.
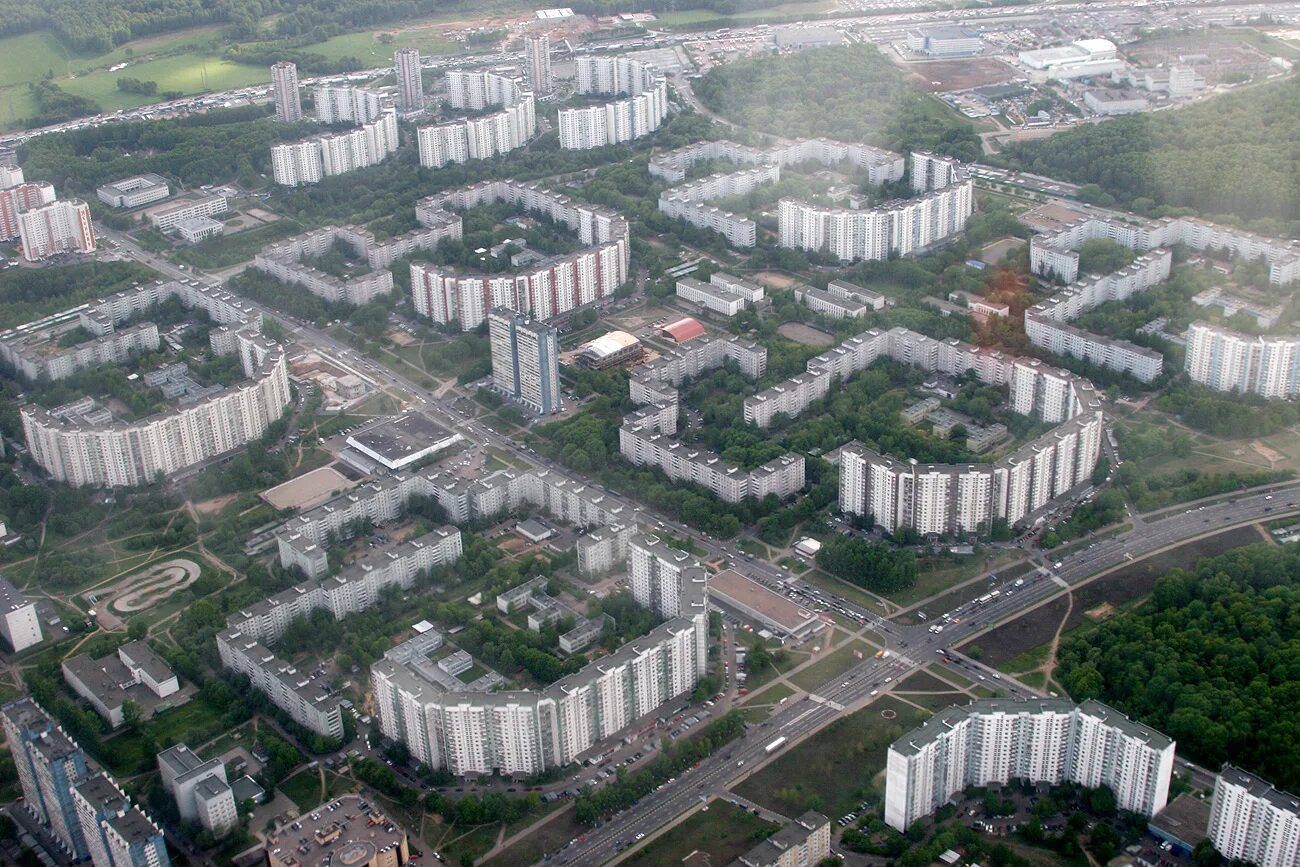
(1212,659)
(851,93)
(1228,157)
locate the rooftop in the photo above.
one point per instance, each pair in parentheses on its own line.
(403,440)
(737,589)
(11,598)
(684,329)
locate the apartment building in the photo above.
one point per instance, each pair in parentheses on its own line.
(546,289)
(689,202)
(603,548)
(57,227)
(409,73)
(284,92)
(802,843)
(243,645)
(641,113)
(16,199)
(117,833)
(478,138)
(81,444)
(308,161)
(537,63)
(347,104)
(469,731)
(525,360)
(19,623)
(995,741)
(1253,822)
(1227,360)
(49,765)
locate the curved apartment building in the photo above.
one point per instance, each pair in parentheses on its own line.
(480,138)
(641,113)
(545,289)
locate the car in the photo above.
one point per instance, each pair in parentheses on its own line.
(640,835)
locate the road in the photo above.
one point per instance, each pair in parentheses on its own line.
(915,646)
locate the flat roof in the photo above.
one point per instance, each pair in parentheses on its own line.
(1185,819)
(11,598)
(403,440)
(774,609)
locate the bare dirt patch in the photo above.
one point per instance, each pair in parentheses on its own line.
(307,490)
(941,76)
(1104,611)
(775,280)
(805,334)
(215,505)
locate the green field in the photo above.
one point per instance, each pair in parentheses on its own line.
(832,665)
(188,72)
(687,17)
(723,832)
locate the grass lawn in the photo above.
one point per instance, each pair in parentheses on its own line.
(770,695)
(831,771)
(832,665)
(227,250)
(754,548)
(455,842)
(303,789)
(698,16)
(723,832)
(190,72)
(938,574)
(549,837)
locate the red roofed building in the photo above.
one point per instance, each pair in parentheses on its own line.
(684,329)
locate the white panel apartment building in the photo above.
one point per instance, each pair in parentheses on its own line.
(641,113)
(17,199)
(19,623)
(545,289)
(689,202)
(480,138)
(472,732)
(994,741)
(80,444)
(58,227)
(343,104)
(306,162)
(1253,822)
(168,219)
(537,63)
(1227,360)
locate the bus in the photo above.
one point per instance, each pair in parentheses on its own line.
(775,745)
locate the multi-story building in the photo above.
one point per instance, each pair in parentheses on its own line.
(200,788)
(898,228)
(480,138)
(284,92)
(711,296)
(1253,822)
(802,843)
(641,113)
(243,645)
(1227,360)
(956,499)
(994,741)
(603,548)
(689,201)
(545,289)
(537,63)
(49,766)
(945,41)
(525,360)
(346,104)
(306,162)
(843,289)
(19,624)
(81,444)
(470,731)
(134,673)
(18,198)
(58,227)
(168,219)
(410,80)
(118,834)
(134,192)
(828,303)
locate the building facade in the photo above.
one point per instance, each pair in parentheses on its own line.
(57,227)
(284,92)
(995,741)
(410,80)
(1253,822)
(346,104)
(537,63)
(19,623)
(525,360)
(641,113)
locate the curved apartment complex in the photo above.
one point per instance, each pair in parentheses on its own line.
(545,289)
(641,113)
(480,138)
(80,443)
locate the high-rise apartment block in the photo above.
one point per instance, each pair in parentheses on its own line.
(1227,360)
(49,766)
(994,741)
(537,63)
(19,624)
(200,788)
(641,113)
(117,833)
(284,92)
(339,104)
(410,80)
(483,137)
(306,162)
(525,360)
(59,227)
(17,199)
(1252,821)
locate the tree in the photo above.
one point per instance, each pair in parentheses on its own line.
(132,716)
(137,629)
